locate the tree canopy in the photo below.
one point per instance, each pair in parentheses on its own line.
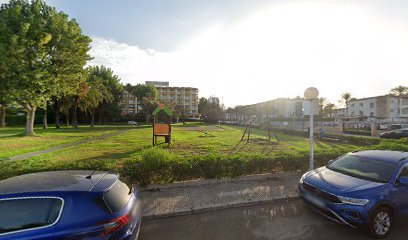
(43,54)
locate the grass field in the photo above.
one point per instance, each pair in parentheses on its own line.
(12,142)
(197,151)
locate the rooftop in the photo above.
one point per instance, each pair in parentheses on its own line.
(53,181)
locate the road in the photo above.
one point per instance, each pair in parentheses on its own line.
(286,220)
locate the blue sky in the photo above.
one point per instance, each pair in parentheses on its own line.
(247,51)
(163,25)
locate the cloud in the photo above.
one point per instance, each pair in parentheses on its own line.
(278,52)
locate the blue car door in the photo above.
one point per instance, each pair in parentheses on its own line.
(400,193)
(34,234)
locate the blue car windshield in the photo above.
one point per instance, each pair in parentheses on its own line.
(363,168)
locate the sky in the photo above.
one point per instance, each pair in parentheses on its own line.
(250,51)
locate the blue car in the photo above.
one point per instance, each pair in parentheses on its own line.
(365,189)
(68,205)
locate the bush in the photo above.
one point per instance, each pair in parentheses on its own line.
(156,165)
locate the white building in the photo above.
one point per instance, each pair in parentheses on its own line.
(277,108)
(385,107)
(184,98)
(214,100)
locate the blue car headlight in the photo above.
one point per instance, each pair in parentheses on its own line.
(353,201)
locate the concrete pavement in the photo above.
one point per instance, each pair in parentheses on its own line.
(159,201)
(284,220)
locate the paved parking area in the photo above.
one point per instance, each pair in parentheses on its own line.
(277,221)
(198,196)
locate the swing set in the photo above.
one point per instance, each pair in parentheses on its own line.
(266,126)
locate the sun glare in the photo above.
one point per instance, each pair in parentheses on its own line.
(289,47)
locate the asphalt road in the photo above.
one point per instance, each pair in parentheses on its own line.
(286,220)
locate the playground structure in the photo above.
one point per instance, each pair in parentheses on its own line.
(162,128)
(266,126)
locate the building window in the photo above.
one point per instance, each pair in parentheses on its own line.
(371,105)
(361,104)
(131,106)
(361,112)
(371,114)
(131,101)
(352,105)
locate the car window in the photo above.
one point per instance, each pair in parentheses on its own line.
(117,196)
(25,214)
(363,168)
(404,172)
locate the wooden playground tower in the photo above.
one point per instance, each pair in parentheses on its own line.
(162,128)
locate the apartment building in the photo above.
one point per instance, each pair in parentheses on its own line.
(129,104)
(386,107)
(158,83)
(184,98)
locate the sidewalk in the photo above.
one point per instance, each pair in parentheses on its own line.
(160,201)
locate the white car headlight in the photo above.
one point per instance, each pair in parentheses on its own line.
(303,177)
(353,201)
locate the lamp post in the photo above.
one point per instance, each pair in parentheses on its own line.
(311,94)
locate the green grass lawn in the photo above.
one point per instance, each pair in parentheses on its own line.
(12,142)
(193,153)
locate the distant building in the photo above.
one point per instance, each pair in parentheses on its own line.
(157,83)
(129,104)
(184,98)
(277,108)
(339,113)
(214,100)
(386,107)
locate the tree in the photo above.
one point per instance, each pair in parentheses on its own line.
(144,93)
(33,47)
(345,98)
(112,83)
(322,103)
(148,106)
(96,92)
(65,66)
(329,109)
(399,92)
(211,112)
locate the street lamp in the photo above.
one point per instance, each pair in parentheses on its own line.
(311,94)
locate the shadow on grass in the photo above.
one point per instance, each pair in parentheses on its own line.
(13,135)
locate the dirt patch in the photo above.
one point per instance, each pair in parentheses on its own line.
(201,128)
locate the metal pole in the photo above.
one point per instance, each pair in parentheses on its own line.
(311,135)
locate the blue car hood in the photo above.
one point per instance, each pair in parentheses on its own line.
(327,179)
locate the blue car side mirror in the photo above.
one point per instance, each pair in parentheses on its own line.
(403,180)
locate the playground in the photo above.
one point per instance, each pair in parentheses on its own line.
(197,150)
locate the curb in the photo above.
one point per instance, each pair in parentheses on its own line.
(220,207)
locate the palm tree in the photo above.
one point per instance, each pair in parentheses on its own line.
(329,108)
(345,98)
(96,93)
(322,102)
(399,92)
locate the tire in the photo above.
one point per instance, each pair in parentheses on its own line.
(380,223)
